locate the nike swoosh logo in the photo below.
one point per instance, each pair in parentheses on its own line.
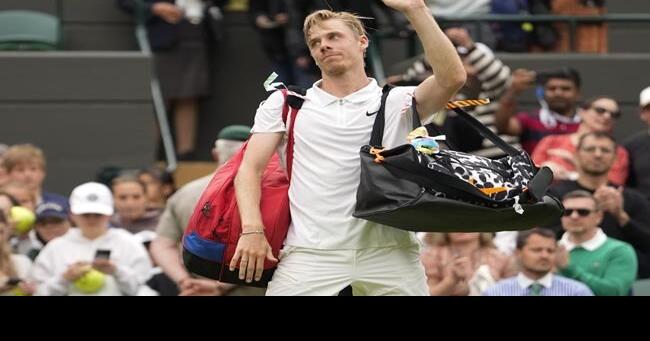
(371,113)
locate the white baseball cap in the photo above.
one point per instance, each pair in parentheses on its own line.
(644,98)
(91,197)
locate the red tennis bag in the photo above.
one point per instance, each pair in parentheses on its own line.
(214,228)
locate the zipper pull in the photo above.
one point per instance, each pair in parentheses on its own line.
(517,206)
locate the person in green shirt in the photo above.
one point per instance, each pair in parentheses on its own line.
(606,265)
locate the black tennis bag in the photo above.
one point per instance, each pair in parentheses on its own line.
(450,191)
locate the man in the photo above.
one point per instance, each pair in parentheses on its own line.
(165,248)
(557,114)
(639,149)
(625,211)
(326,248)
(26,163)
(65,260)
(51,222)
(536,252)
(606,265)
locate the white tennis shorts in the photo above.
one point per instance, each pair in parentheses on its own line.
(373,271)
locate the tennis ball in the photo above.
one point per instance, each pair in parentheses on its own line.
(17,291)
(527,27)
(23,218)
(91,282)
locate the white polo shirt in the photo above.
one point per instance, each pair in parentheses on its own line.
(328,135)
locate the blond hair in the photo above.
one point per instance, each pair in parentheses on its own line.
(22,153)
(316,18)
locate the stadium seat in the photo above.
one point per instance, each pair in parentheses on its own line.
(29,31)
(641,287)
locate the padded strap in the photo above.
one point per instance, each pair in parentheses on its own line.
(290,109)
(377,135)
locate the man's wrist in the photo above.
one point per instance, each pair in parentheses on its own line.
(180,282)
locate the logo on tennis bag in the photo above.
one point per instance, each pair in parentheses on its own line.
(449,191)
(214,228)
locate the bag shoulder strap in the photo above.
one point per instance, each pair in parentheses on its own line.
(486,132)
(290,109)
(378,127)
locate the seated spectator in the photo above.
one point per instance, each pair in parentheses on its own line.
(487,77)
(131,210)
(159,184)
(589,37)
(606,265)
(52,221)
(26,163)
(536,256)
(559,151)
(558,107)
(66,259)
(461,264)
(522,37)
(625,211)
(13,267)
(638,147)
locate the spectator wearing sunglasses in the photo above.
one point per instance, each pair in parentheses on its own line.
(606,265)
(624,210)
(558,152)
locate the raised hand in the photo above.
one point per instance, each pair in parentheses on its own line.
(405,5)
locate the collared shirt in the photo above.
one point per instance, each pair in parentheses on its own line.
(329,133)
(590,245)
(552,285)
(525,282)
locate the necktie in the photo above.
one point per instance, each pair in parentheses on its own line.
(535,289)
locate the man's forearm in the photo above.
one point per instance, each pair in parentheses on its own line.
(248,191)
(507,109)
(165,253)
(439,51)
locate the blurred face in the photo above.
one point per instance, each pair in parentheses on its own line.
(335,47)
(538,254)
(29,173)
(645,114)
(130,200)
(50,228)
(24,196)
(457,238)
(561,95)
(154,188)
(91,221)
(580,215)
(601,116)
(596,155)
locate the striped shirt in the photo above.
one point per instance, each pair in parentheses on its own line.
(493,77)
(552,285)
